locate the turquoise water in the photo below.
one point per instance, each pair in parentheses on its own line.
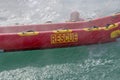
(93,62)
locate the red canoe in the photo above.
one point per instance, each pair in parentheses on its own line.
(53,35)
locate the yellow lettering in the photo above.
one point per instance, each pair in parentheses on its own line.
(64,38)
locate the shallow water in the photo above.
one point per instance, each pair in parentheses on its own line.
(93,62)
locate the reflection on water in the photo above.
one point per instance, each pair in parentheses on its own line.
(40,11)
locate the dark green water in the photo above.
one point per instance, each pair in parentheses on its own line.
(93,62)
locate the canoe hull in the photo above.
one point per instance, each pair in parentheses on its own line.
(55,37)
